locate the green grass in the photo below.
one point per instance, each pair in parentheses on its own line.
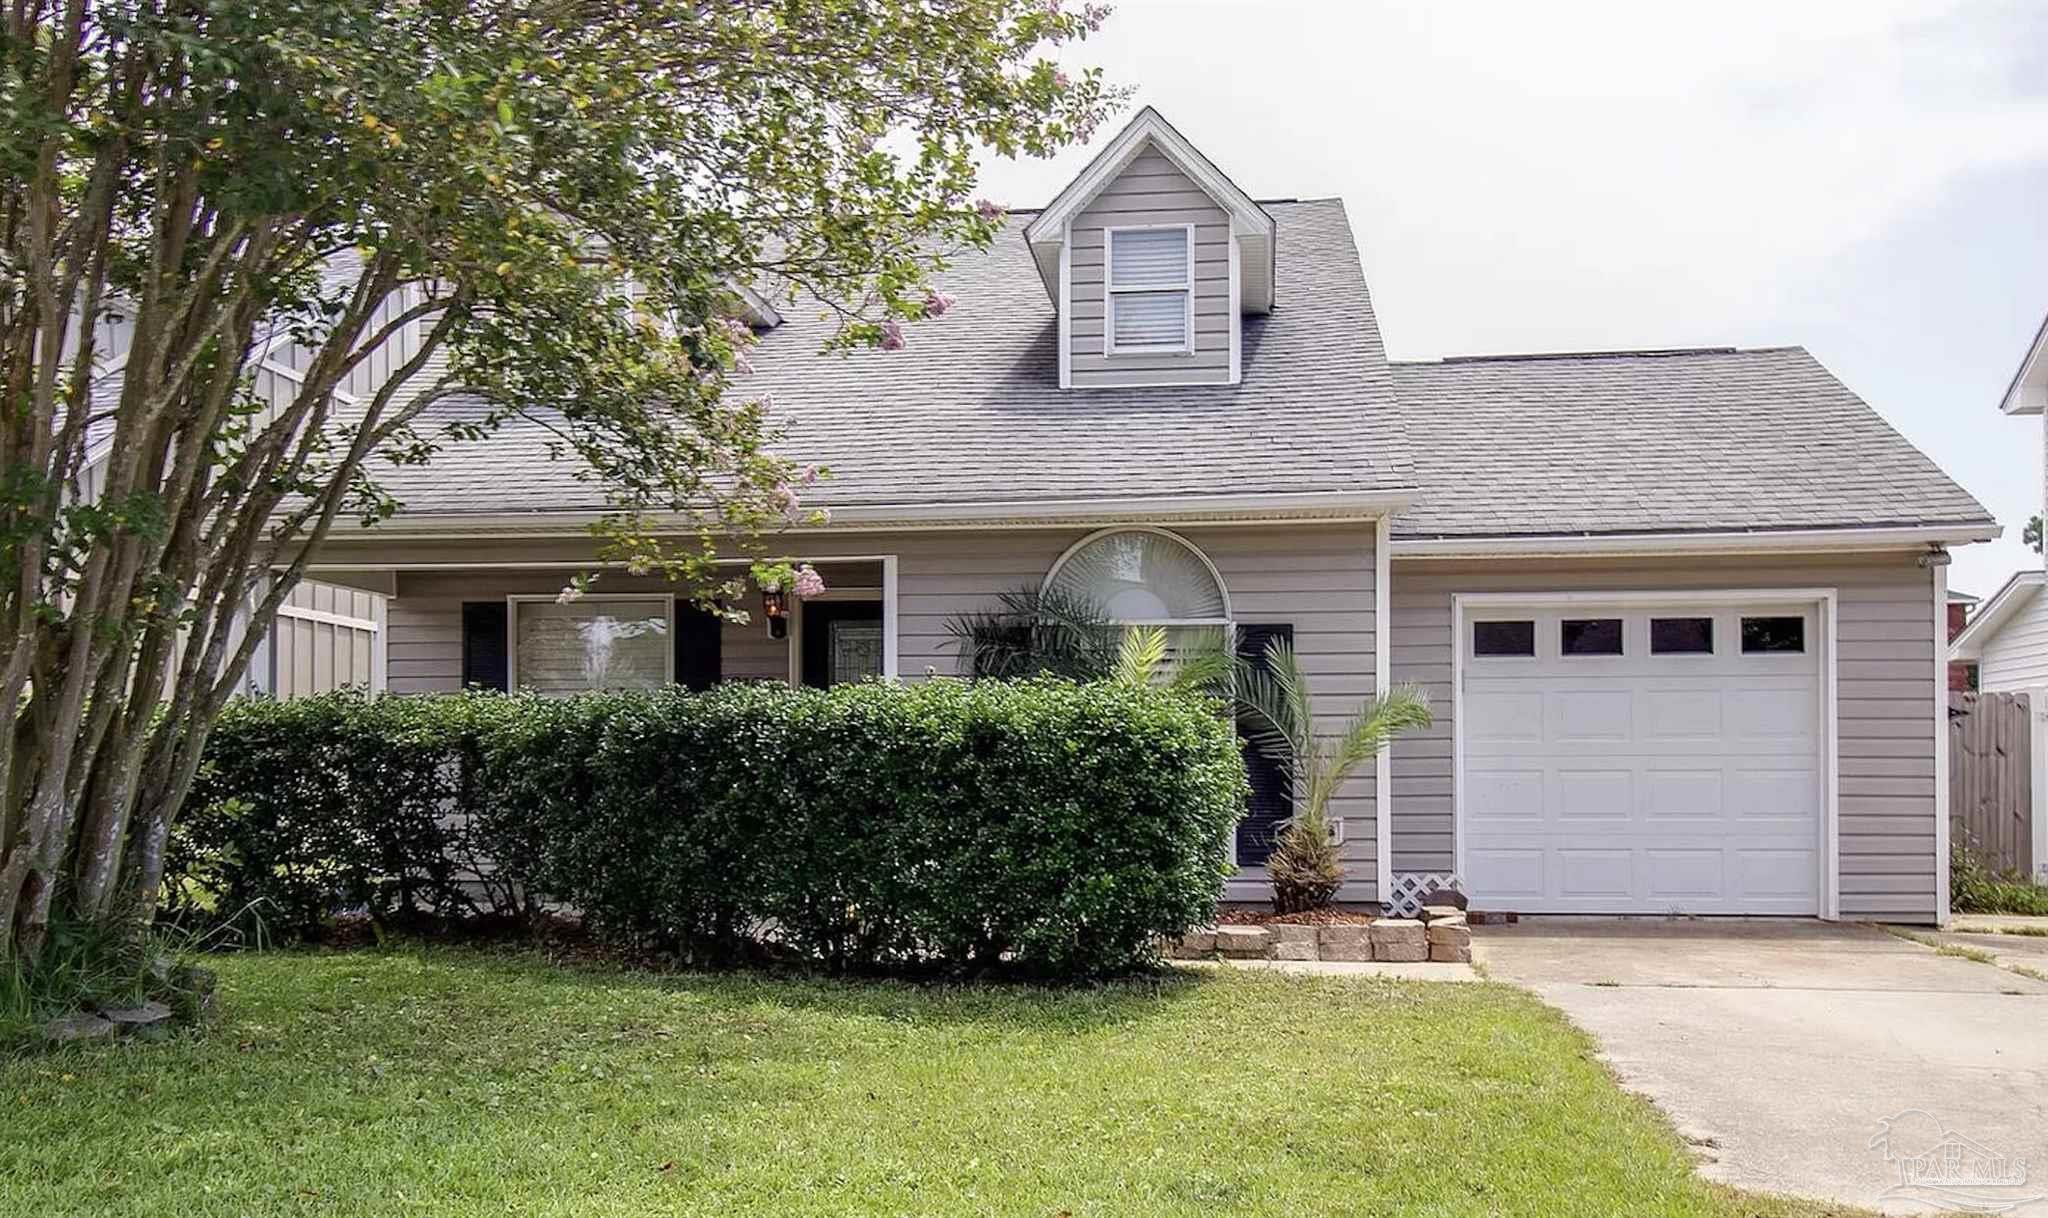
(1963,952)
(448,1083)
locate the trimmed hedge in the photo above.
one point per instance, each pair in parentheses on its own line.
(306,808)
(1041,826)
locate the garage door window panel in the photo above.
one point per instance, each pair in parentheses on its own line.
(1768,635)
(1596,636)
(1504,639)
(1681,636)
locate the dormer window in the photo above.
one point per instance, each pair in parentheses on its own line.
(1152,258)
(1149,291)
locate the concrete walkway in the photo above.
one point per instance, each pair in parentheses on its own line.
(2018,942)
(1781,1048)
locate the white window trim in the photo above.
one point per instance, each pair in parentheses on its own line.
(512,603)
(1110,292)
(1467,606)
(885,596)
(1229,617)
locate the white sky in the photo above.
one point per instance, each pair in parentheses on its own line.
(1863,178)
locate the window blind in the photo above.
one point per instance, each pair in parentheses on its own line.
(1148,258)
(1150,319)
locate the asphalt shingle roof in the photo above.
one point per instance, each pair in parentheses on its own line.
(971,411)
(1656,441)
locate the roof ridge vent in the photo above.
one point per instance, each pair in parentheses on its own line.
(1642,353)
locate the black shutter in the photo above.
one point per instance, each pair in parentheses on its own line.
(483,644)
(697,634)
(1272,799)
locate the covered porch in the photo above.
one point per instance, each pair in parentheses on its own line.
(510,627)
(483,611)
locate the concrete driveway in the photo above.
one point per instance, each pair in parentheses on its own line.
(1778,1048)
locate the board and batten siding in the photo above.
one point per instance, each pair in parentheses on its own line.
(2017,656)
(1149,191)
(1885,710)
(320,654)
(1316,578)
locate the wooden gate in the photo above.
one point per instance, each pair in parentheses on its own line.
(1990,778)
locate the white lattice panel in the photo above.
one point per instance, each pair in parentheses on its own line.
(1411,886)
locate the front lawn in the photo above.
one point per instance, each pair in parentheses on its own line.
(447,1082)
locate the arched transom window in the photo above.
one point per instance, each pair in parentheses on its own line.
(1143,577)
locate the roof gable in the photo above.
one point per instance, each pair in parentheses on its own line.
(2028,392)
(1251,223)
(1991,617)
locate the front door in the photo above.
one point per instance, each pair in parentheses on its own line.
(842,641)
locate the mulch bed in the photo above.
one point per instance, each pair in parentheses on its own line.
(1315,917)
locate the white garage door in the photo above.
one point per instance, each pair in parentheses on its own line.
(1641,760)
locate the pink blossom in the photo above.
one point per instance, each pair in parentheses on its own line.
(808,582)
(1093,15)
(988,210)
(785,498)
(568,594)
(936,304)
(1060,81)
(1052,8)
(811,474)
(742,363)
(892,335)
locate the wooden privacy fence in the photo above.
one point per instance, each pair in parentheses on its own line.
(1990,778)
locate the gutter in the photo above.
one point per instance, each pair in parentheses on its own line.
(1296,506)
(1743,541)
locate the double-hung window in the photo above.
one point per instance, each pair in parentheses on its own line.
(1149,292)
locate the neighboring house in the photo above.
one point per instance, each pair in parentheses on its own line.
(1961,677)
(2004,645)
(1681,614)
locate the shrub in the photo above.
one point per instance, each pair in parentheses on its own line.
(305,808)
(1044,826)
(1975,888)
(1040,826)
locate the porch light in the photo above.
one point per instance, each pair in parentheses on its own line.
(775,607)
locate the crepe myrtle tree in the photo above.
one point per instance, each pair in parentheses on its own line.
(559,197)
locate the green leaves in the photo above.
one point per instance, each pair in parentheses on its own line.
(1281,709)
(1040,826)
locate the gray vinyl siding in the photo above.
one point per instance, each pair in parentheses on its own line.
(1319,579)
(1150,191)
(2017,656)
(1885,691)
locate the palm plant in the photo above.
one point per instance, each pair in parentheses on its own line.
(1036,632)
(1279,715)
(1201,663)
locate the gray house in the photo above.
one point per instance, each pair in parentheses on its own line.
(1678,612)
